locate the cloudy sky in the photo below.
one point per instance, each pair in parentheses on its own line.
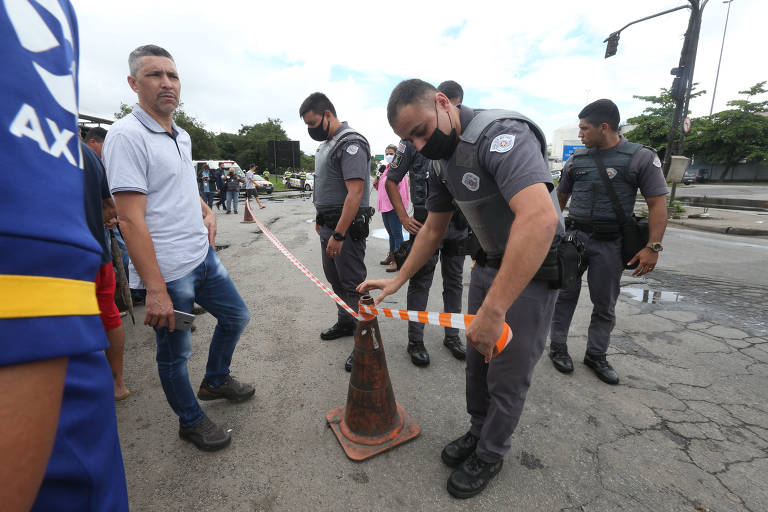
(242,62)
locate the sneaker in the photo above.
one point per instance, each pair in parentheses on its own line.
(232,389)
(472,476)
(558,353)
(602,368)
(206,435)
(454,344)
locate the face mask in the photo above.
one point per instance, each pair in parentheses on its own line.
(319,133)
(389,158)
(440,146)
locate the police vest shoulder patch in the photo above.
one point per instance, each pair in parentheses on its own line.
(471,181)
(656,161)
(503,143)
(352,149)
(611,172)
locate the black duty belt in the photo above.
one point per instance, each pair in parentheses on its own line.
(592,227)
(483,260)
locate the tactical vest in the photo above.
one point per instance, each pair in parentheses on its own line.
(589,200)
(419,172)
(474,190)
(330,188)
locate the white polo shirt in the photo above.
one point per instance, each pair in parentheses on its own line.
(140,156)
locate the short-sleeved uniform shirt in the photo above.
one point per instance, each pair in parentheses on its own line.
(351,157)
(96,190)
(513,169)
(140,156)
(644,173)
(49,241)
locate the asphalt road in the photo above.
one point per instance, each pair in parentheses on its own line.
(687,428)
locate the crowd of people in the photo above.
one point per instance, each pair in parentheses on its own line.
(479,184)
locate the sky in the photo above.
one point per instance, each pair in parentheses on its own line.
(242,62)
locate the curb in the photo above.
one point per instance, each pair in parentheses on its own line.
(727,230)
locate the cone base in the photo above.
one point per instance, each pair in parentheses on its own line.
(357,451)
(247,222)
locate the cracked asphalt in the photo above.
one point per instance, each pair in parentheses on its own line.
(686,429)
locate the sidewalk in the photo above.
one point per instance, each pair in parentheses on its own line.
(723,221)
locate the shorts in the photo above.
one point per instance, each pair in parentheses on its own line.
(105,296)
(251,192)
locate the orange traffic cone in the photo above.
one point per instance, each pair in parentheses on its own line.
(372,421)
(248,214)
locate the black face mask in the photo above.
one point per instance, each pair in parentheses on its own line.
(319,133)
(440,146)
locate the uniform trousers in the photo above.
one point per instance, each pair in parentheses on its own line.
(496,391)
(602,261)
(344,272)
(451,267)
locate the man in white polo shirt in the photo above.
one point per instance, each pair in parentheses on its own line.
(169,232)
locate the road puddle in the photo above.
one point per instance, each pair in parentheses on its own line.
(382,234)
(651,295)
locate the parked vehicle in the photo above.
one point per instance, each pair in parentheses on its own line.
(689,176)
(555,175)
(295,182)
(263,185)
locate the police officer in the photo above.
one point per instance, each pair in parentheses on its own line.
(493,165)
(302,178)
(592,218)
(342,175)
(450,252)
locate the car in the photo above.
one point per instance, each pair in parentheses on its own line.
(689,176)
(555,175)
(263,185)
(295,182)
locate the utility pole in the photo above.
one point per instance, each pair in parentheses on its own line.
(683,73)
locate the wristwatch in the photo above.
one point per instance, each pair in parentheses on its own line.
(655,246)
(338,236)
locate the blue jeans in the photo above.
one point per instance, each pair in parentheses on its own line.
(208,197)
(232,197)
(210,286)
(394,229)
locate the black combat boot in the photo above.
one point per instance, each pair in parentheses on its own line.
(419,354)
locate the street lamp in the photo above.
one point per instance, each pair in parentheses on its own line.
(717,76)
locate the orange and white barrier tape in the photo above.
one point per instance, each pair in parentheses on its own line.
(456,320)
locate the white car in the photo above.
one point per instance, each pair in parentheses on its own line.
(308,185)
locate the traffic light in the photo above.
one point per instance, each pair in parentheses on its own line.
(613,45)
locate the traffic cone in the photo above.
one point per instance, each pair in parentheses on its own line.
(372,421)
(248,214)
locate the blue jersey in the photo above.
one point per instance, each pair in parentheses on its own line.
(49,258)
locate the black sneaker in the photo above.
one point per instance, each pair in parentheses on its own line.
(602,369)
(206,435)
(348,364)
(456,347)
(472,476)
(232,389)
(558,353)
(418,352)
(459,449)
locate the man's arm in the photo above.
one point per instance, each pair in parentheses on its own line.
(530,237)
(563,200)
(424,246)
(131,207)
(209,221)
(646,258)
(30,405)
(409,223)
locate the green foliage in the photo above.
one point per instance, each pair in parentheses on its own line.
(203,142)
(652,126)
(734,135)
(124,111)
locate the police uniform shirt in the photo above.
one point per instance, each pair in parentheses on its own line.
(644,173)
(351,157)
(509,151)
(48,250)
(406,157)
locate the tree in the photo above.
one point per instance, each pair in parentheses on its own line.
(203,142)
(124,111)
(736,135)
(652,126)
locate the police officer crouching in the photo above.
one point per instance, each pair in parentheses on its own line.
(493,165)
(592,218)
(342,180)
